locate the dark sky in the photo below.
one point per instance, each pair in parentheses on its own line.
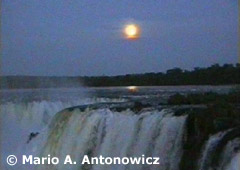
(83,37)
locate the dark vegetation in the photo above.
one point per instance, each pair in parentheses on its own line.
(222,112)
(205,98)
(213,75)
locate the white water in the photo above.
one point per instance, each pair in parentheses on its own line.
(101,131)
(235,163)
(208,150)
(20,119)
(114,134)
(229,159)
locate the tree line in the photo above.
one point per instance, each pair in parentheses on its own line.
(213,75)
(216,74)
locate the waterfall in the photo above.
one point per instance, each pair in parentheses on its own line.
(109,132)
(235,163)
(228,158)
(19,119)
(115,134)
(209,150)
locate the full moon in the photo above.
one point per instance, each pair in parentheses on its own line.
(132,31)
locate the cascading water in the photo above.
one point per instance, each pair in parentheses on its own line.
(235,163)
(209,150)
(228,159)
(19,119)
(96,132)
(115,134)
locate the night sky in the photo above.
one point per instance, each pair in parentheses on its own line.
(84,37)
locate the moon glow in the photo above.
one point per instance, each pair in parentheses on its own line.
(132,31)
